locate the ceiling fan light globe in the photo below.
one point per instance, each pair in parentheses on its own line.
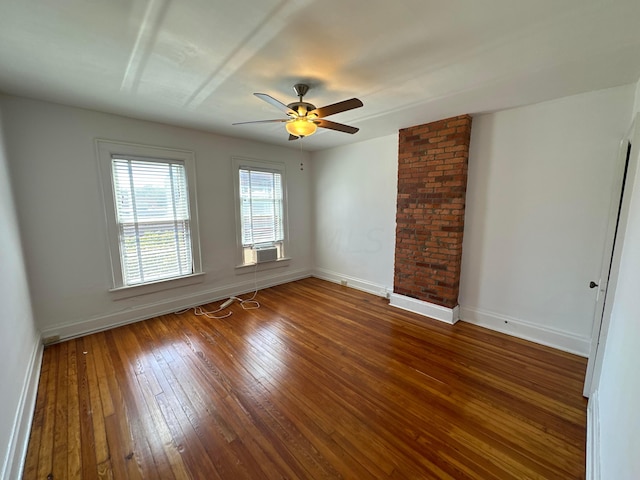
(301,127)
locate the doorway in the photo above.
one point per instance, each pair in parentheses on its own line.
(606,284)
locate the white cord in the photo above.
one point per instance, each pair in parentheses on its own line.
(251,303)
(199,311)
(245,303)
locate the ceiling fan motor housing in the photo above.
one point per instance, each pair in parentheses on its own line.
(301,108)
(301,89)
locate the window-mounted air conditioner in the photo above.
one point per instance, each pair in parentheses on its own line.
(265,254)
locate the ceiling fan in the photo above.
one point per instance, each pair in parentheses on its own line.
(305,118)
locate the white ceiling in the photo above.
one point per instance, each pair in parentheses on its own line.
(196,63)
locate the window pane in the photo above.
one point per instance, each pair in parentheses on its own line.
(152,209)
(261,208)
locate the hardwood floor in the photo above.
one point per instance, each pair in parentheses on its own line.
(322,381)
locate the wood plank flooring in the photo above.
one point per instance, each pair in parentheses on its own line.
(322,381)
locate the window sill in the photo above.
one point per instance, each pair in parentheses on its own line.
(259,267)
(120,293)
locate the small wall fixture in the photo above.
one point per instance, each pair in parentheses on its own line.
(301,127)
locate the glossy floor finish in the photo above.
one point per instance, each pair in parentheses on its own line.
(322,381)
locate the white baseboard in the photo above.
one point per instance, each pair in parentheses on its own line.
(143,312)
(593,437)
(527,331)
(17,449)
(353,282)
(431,310)
(448,315)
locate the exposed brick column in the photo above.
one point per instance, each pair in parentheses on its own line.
(432,183)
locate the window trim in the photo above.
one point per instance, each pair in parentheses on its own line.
(268,166)
(105,150)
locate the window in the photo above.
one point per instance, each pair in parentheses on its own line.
(152,213)
(150,204)
(261,209)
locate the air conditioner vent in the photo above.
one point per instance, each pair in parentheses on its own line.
(265,254)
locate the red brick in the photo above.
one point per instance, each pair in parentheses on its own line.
(457,123)
(432,175)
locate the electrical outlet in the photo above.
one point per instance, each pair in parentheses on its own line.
(343,283)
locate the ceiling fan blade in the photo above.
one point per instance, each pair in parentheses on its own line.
(336,126)
(279,120)
(337,108)
(276,103)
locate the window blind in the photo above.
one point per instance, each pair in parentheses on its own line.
(261,211)
(152,210)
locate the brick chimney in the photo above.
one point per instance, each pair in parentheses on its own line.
(432,183)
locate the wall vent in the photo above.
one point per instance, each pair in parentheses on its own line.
(265,254)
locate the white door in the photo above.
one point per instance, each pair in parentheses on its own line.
(606,284)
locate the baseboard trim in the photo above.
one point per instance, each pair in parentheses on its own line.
(527,331)
(593,438)
(17,448)
(431,310)
(143,312)
(353,282)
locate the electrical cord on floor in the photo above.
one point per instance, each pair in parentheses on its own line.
(250,303)
(245,303)
(199,311)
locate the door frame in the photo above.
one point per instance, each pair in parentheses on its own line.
(610,267)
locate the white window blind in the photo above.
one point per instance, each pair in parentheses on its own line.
(153,219)
(261,210)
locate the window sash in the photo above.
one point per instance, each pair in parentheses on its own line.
(261,206)
(153,219)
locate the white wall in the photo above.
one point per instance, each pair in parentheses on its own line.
(354,205)
(59,204)
(636,104)
(19,339)
(538,195)
(617,413)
